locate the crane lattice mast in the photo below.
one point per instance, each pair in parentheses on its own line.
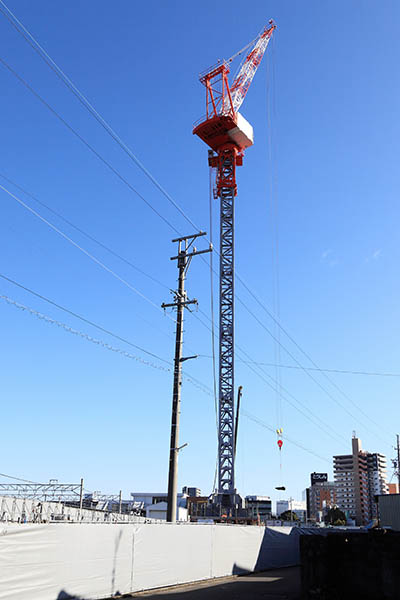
(228,134)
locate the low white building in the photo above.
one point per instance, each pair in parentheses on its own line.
(153,505)
(298,507)
(159,511)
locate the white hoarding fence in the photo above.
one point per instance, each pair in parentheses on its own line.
(90,562)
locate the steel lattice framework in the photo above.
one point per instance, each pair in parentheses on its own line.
(226,186)
(42,491)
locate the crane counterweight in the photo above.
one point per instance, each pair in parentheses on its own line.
(225,129)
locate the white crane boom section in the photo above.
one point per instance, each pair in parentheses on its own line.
(245,76)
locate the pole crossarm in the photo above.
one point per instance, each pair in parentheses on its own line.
(194,253)
(179,303)
(191,237)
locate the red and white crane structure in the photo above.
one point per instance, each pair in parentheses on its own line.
(228,134)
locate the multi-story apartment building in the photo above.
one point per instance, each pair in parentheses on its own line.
(359,476)
(377,483)
(321,495)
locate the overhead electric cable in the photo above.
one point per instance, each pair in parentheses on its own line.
(86,143)
(81,231)
(85,102)
(19,479)
(142,197)
(320,370)
(84,319)
(285,437)
(103,329)
(275,249)
(343,407)
(81,249)
(101,343)
(81,334)
(314,419)
(326,428)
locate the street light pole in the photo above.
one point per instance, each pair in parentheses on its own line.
(184,258)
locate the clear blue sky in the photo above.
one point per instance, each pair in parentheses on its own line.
(329,163)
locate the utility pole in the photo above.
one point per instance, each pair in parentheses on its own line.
(80,500)
(398,464)
(183,258)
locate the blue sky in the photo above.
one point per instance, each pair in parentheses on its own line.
(322,180)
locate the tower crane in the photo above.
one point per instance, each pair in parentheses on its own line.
(228,134)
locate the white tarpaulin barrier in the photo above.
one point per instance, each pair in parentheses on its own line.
(88,561)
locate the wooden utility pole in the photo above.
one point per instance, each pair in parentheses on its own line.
(184,258)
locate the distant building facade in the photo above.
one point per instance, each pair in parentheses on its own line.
(191,491)
(153,505)
(359,477)
(198,507)
(320,496)
(259,507)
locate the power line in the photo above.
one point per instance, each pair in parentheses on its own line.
(101,343)
(311,417)
(85,102)
(275,247)
(316,380)
(83,232)
(341,371)
(49,107)
(191,378)
(81,249)
(84,319)
(109,129)
(285,437)
(86,143)
(19,479)
(81,334)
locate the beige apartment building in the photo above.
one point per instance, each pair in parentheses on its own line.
(359,477)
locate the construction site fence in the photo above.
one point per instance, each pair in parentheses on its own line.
(23,510)
(87,562)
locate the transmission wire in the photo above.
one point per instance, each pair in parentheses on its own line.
(85,102)
(81,249)
(83,232)
(86,143)
(285,437)
(166,221)
(327,428)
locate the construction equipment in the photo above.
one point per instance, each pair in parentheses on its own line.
(228,134)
